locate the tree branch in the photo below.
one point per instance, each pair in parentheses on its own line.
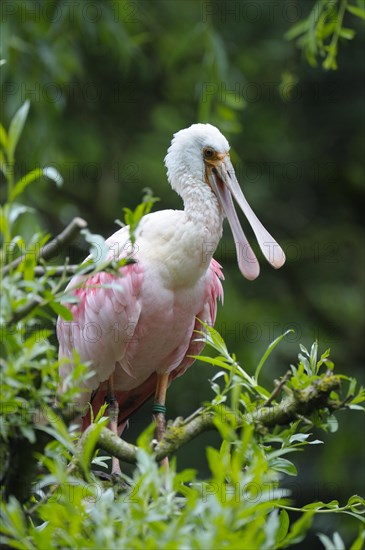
(23,311)
(48,251)
(54,247)
(56,271)
(178,433)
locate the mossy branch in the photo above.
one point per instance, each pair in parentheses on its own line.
(179,432)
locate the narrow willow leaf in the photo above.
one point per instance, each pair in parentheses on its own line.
(99,250)
(332,423)
(17,209)
(296,30)
(356,10)
(3,137)
(53,174)
(271,527)
(358,543)
(270,348)
(319,505)
(212,361)
(299,437)
(283,526)
(284,465)
(299,528)
(24,182)
(101,412)
(61,310)
(88,449)
(347,34)
(16,127)
(56,428)
(304,349)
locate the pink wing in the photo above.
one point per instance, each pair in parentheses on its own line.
(208,314)
(131,401)
(104,320)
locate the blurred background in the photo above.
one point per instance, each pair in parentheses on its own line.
(111,81)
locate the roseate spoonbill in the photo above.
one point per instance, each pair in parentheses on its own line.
(137,330)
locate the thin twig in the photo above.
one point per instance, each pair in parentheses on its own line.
(54,247)
(278,388)
(23,311)
(55,271)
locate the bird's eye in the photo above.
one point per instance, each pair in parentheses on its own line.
(208,152)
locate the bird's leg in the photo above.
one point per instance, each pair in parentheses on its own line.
(113,412)
(159,410)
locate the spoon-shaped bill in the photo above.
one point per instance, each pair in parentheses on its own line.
(224,183)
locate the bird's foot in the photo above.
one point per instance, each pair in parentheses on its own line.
(113,478)
(116,471)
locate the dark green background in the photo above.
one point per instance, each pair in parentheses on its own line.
(110,82)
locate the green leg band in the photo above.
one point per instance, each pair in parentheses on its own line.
(157,408)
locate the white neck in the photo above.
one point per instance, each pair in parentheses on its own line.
(200,231)
(185,241)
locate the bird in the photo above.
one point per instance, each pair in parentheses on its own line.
(137,329)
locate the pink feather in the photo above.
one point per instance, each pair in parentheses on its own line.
(120,326)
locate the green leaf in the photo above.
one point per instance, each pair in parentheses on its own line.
(56,428)
(98,249)
(3,166)
(3,137)
(296,30)
(144,439)
(358,543)
(35,174)
(214,339)
(332,424)
(313,357)
(215,463)
(226,422)
(132,218)
(17,209)
(270,348)
(299,528)
(89,445)
(284,465)
(16,127)
(28,432)
(101,412)
(53,174)
(356,10)
(283,526)
(212,361)
(304,349)
(271,528)
(319,505)
(24,182)
(330,61)
(354,501)
(61,310)
(348,34)
(335,544)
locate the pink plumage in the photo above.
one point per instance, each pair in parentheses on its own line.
(113,331)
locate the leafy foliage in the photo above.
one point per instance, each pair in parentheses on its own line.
(319,34)
(153,69)
(241,504)
(132,218)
